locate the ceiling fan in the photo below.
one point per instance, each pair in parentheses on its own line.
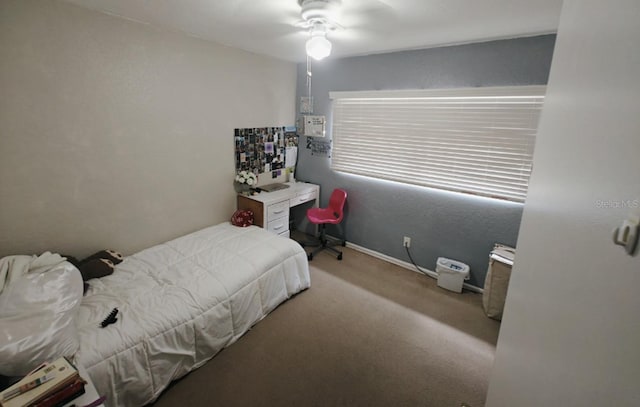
(322,16)
(319,12)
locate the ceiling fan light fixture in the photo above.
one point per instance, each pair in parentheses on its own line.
(319,17)
(318,47)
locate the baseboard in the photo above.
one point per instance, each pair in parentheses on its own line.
(405,264)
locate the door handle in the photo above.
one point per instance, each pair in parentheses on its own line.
(627,236)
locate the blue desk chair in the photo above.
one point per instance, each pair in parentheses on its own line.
(331,215)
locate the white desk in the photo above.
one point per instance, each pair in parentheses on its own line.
(271,209)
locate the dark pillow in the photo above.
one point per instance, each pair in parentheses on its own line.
(242,218)
(96,268)
(112,255)
(97,265)
(71,260)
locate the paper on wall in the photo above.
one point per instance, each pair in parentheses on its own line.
(290,157)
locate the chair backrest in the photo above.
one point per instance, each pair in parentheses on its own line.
(336,202)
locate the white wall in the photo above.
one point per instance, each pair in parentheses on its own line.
(571,331)
(114,134)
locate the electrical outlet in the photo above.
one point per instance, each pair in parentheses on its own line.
(406,242)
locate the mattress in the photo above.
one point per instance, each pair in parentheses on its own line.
(179,304)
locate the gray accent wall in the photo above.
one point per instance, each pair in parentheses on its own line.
(440,223)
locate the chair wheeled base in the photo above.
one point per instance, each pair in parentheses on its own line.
(325,243)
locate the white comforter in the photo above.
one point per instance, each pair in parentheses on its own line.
(179,304)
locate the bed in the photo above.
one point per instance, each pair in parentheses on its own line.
(179,304)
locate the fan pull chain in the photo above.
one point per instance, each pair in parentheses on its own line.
(309,75)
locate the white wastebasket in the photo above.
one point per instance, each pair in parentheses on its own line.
(451,274)
(496,282)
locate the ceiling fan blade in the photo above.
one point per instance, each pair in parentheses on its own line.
(364,6)
(363,13)
(302,24)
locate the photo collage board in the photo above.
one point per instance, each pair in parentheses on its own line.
(264,149)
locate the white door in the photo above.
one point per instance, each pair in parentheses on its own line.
(571,330)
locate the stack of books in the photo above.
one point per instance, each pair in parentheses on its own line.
(49,385)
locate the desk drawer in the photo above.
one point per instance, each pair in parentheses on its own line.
(278,210)
(280,225)
(302,198)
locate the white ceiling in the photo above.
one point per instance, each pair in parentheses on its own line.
(370,26)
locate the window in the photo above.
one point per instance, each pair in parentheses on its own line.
(472,140)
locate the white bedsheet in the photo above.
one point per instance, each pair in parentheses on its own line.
(180,303)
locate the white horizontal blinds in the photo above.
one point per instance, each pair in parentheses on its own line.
(477,140)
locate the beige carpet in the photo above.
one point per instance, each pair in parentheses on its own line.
(367,333)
